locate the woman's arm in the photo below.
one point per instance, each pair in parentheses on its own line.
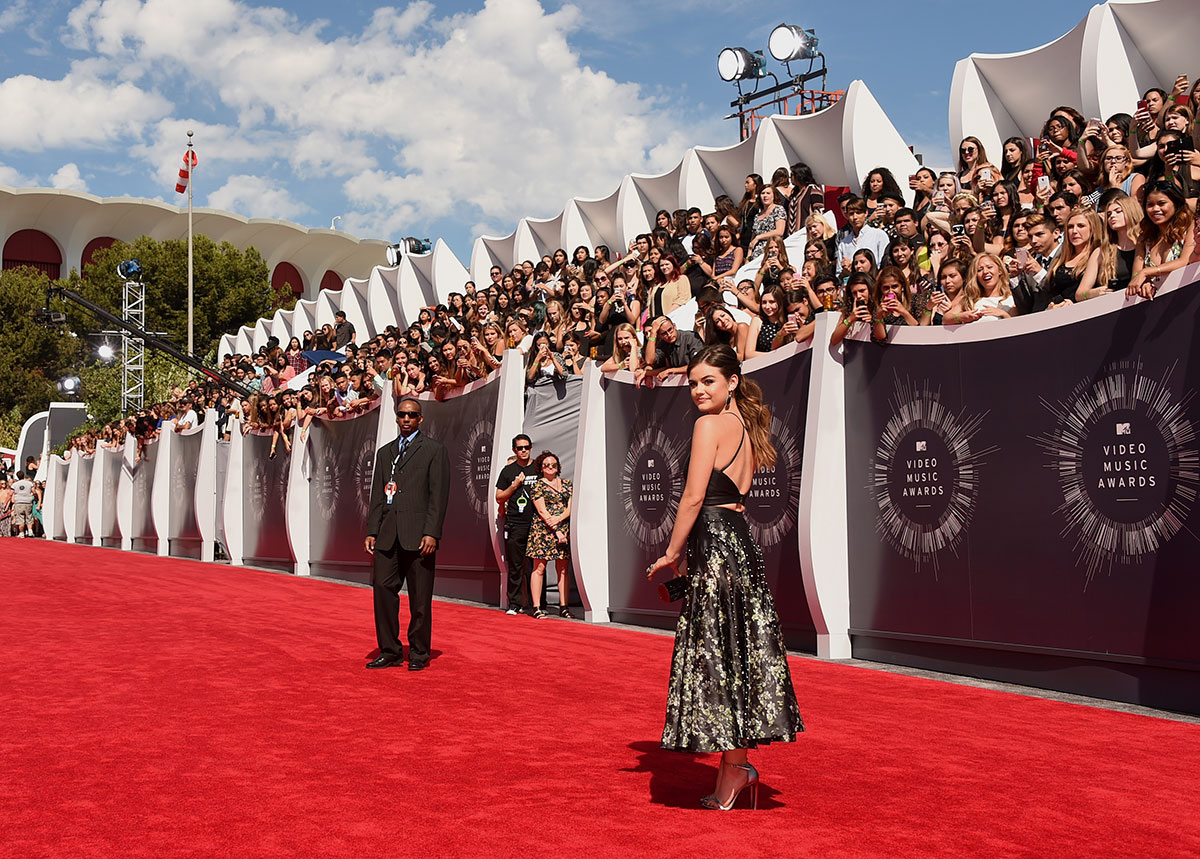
(742,332)
(752,337)
(841,329)
(1087,284)
(704,456)
(539,504)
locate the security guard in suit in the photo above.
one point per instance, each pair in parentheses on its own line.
(409,493)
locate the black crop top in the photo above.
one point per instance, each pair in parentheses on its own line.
(721,488)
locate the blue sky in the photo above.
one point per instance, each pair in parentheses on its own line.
(435,119)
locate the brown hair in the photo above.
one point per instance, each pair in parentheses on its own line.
(755,413)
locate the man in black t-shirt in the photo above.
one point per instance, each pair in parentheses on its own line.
(512,490)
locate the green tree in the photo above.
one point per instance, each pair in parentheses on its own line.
(100,385)
(35,356)
(231,287)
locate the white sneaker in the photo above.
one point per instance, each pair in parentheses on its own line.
(512,611)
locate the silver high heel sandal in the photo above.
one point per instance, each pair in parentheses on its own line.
(751,782)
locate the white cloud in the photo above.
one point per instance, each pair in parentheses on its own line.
(15,15)
(68,178)
(79,110)
(483,117)
(257,197)
(12,176)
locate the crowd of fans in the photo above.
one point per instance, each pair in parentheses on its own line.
(1086,208)
(21,497)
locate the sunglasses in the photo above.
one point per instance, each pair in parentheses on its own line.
(523,447)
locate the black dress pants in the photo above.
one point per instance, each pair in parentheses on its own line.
(516,538)
(393,567)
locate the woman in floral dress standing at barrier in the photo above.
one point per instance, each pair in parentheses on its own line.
(549,535)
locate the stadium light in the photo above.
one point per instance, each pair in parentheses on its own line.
(736,64)
(130,269)
(788,42)
(106,352)
(68,386)
(404,247)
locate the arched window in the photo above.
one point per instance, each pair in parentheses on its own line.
(35,249)
(331,280)
(287,277)
(100,243)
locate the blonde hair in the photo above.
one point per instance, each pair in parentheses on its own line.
(827,232)
(971,292)
(1066,253)
(1108,250)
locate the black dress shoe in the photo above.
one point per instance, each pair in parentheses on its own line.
(417,664)
(385,661)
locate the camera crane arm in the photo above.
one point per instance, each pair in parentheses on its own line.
(141,334)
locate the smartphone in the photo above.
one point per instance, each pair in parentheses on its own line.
(958,230)
(912,179)
(428,348)
(456,323)
(1022,256)
(1043,183)
(986,174)
(1143,105)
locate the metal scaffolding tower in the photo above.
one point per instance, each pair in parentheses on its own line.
(133,349)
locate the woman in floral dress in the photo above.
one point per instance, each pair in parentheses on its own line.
(549,535)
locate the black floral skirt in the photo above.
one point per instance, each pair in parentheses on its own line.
(730,684)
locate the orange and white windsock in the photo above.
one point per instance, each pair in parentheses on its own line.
(185,172)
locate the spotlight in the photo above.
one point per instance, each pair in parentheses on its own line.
(106,352)
(407,245)
(735,64)
(789,42)
(68,386)
(130,269)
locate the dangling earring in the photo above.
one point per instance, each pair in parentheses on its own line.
(728,400)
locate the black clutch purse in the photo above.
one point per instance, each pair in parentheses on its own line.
(673,590)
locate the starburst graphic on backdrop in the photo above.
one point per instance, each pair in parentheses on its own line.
(920,527)
(771,518)
(362,467)
(474,466)
(1123,407)
(650,501)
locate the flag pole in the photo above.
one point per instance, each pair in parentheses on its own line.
(191,184)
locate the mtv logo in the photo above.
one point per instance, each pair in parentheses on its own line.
(922,445)
(483,448)
(650,463)
(1123,429)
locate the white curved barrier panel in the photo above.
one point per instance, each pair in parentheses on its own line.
(708,172)
(536,237)
(75,512)
(55,499)
(103,497)
(492,250)
(416,291)
(592,223)
(444,271)
(383,298)
(641,197)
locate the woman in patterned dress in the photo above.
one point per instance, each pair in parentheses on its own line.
(730,686)
(549,534)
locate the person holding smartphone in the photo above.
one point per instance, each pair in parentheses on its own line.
(859,311)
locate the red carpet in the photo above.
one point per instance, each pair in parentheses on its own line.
(157,708)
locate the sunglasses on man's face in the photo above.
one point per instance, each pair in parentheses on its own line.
(522,447)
